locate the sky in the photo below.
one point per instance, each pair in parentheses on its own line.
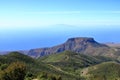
(26,24)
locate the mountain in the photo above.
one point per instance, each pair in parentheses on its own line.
(84,45)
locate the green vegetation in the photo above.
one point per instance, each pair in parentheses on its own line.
(47,76)
(63,66)
(103,71)
(15,71)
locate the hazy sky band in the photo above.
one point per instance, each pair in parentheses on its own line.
(48,12)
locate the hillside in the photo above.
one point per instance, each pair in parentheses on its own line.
(15,56)
(32,64)
(72,63)
(66,65)
(82,45)
(103,71)
(69,56)
(34,67)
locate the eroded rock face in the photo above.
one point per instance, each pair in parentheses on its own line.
(79,45)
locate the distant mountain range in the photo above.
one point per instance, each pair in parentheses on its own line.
(82,45)
(112,44)
(20,51)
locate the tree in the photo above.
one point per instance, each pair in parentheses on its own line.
(48,76)
(15,71)
(3,66)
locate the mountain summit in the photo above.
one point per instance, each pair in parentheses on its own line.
(83,45)
(82,42)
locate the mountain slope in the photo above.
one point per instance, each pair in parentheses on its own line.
(69,56)
(83,45)
(103,71)
(68,65)
(34,67)
(15,56)
(71,62)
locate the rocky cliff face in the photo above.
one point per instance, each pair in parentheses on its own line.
(79,45)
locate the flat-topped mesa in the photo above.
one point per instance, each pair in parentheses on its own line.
(81,39)
(80,44)
(84,45)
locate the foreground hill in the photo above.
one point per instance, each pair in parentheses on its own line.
(82,45)
(15,56)
(66,65)
(72,63)
(36,67)
(103,71)
(32,64)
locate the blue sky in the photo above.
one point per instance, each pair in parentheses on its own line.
(26,24)
(48,12)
